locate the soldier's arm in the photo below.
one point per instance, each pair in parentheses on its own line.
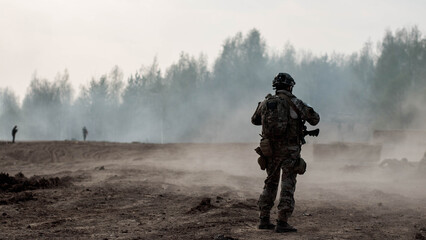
(256,119)
(308,113)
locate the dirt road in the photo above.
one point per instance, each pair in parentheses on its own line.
(193,191)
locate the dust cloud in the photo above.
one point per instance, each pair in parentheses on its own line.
(371,105)
(194,101)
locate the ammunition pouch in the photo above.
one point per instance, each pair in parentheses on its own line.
(300,166)
(265,147)
(262,160)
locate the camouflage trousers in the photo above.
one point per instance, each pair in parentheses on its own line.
(283,161)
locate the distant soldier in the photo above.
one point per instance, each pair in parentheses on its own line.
(14,131)
(282,118)
(85,132)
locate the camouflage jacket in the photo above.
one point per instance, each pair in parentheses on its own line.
(294,124)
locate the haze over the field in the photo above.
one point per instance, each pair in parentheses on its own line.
(90,37)
(132,71)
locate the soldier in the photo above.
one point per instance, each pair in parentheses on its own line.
(85,132)
(282,118)
(14,131)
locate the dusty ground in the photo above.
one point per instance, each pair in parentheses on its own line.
(195,191)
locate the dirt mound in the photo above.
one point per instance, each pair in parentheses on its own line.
(204,206)
(223,237)
(419,236)
(421,233)
(20,183)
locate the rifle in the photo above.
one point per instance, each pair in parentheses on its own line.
(305,132)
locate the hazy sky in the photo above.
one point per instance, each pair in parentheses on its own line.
(89,37)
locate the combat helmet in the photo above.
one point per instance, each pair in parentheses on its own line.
(283,79)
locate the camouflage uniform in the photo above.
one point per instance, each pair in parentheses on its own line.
(285,154)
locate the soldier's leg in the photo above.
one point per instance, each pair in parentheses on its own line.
(288,186)
(267,198)
(286,205)
(269,194)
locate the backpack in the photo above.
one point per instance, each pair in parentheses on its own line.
(275,116)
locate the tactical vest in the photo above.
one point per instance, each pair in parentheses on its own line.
(275,115)
(277,122)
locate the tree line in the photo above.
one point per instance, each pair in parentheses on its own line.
(381,87)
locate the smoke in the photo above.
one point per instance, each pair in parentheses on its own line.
(379,88)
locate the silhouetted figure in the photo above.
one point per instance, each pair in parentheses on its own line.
(14,131)
(282,117)
(85,132)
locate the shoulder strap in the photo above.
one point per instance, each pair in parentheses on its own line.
(292,105)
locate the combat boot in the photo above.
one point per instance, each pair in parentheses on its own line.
(284,227)
(265,223)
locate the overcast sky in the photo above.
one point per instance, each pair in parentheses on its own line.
(89,37)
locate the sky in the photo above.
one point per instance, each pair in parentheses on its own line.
(90,37)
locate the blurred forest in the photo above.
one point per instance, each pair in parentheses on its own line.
(379,87)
